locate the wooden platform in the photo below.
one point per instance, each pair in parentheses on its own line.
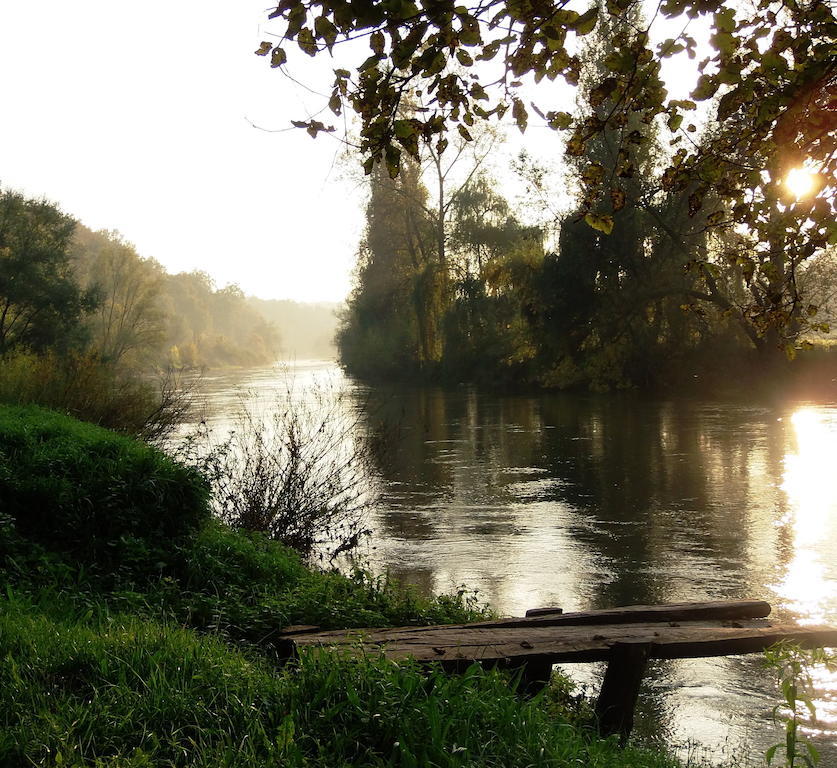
(624,637)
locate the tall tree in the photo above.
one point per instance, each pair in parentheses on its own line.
(128,321)
(41,301)
(393,320)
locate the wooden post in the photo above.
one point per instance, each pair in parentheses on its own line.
(617,699)
(533,673)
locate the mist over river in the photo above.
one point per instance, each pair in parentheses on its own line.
(594,501)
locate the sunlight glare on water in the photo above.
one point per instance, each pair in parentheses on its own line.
(809,586)
(810,482)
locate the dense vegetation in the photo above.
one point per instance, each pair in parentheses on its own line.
(164,655)
(685,247)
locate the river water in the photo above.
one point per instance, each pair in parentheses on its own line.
(599,501)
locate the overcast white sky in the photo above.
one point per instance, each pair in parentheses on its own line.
(134,116)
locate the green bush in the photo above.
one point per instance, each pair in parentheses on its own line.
(244,586)
(82,489)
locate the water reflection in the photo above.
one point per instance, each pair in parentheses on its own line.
(808,588)
(586,502)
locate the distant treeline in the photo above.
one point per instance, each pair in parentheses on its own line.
(144,314)
(67,287)
(307,329)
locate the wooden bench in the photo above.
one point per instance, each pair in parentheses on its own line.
(624,637)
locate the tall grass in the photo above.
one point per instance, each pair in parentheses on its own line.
(91,389)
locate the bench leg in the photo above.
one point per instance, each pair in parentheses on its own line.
(533,675)
(617,699)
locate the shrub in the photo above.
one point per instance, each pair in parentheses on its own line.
(83,489)
(302,474)
(96,391)
(247,587)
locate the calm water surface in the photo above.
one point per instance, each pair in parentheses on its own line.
(598,501)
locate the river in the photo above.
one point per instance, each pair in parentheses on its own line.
(594,501)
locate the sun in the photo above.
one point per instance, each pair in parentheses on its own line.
(800,182)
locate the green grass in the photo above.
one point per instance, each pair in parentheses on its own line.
(88,687)
(93,493)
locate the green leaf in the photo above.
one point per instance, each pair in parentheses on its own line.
(325,30)
(404,128)
(600,223)
(334,103)
(489,51)
(771,753)
(559,120)
(278,57)
(586,23)
(393,161)
(370,63)
(520,115)
(724,42)
(725,20)
(705,89)
(593,174)
(305,41)
(463,132)
(264,48)
(464,58)
(376,42)
(470,32)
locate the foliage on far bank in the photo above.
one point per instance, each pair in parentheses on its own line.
(42,304)
(90,327)
(648,277)
(755,110)
(147,316)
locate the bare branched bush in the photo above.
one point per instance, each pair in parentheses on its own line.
(301,473)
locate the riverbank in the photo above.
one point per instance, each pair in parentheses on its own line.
(136,631)
(713,373)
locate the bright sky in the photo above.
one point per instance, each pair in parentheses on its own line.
(134,116)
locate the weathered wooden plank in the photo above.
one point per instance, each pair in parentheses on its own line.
(632,614)
(636,614)
(299,629)
(570,644)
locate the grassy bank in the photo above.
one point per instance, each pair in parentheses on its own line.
(147,641)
